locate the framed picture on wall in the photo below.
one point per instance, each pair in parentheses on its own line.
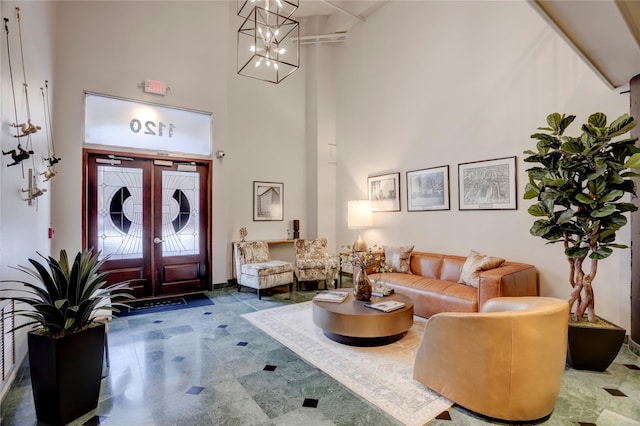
(428,189)
(488,185)
(384,192)
(268,201)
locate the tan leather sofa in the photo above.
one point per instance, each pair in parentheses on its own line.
(505,362)
(433,284)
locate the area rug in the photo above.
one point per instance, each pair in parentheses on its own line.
(382,375)
(165,304)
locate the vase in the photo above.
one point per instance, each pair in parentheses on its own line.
(66,373)
(593,348)
(362,286)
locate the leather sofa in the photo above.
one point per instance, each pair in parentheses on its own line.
(432,283)
(505,362)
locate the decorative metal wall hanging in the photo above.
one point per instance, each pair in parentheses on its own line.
(33,191)
(25,129)
(51,159)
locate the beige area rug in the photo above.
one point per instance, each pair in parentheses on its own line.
(382,375)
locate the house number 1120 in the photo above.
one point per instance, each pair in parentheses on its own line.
(150,127)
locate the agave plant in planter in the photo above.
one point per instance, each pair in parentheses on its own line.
(579,185)
(66,345)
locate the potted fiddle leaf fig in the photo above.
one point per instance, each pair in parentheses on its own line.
(61,302)
(579,184)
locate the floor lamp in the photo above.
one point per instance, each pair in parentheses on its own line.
(359,216)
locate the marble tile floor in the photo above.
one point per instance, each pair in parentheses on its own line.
(208,366)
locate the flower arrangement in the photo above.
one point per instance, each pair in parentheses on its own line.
(379,284)
(373,256)
(364,259)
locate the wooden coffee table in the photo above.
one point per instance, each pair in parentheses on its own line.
(352,323)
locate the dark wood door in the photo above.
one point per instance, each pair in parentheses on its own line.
(151,218)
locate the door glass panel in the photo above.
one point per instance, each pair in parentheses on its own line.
(180,210)
(120,212)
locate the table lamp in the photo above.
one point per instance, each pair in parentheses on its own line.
(359,216)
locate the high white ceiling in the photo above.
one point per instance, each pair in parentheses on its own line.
(339,15)
(605,33)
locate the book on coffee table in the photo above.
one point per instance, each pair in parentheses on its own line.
(387,292)
(331,296)
(386,306)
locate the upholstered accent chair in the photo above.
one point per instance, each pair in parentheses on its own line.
(313,262)
(505,362)
(255,269)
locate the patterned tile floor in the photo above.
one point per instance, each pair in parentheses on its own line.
(208,366)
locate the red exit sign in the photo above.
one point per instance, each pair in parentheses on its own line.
(155,86)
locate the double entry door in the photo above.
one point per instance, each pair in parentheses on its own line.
(150,218)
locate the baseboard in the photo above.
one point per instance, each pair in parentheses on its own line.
(230,283)
(11,377)
(634,347)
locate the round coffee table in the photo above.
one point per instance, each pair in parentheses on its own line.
(352,323)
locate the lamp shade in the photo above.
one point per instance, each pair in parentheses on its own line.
(359,214)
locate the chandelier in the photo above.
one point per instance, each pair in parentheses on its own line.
(267,39)
(281,7)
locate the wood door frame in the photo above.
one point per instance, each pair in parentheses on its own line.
(87,152)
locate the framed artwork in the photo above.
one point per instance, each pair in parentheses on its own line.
(488,185)
(428,189)
(384,192)
(268,201)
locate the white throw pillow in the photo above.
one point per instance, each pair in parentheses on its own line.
(398,258)
(476,263)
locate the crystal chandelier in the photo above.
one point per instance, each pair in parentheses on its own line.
(267,40)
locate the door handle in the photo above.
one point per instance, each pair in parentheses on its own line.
(157,240)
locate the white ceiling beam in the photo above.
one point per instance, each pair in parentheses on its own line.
(538,6)
(321,38)
(342,10)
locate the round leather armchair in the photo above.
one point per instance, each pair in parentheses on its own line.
(505,362)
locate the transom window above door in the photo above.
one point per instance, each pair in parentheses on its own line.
(120,122)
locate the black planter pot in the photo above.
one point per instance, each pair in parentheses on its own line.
(593,348)
(66,374)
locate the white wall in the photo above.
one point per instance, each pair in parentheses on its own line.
(426,84)
(110,47)
(267,143)
(320,134)
(23,228)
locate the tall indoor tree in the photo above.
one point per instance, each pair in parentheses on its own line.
(580,184)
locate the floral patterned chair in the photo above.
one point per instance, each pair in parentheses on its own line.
(314,263)
(254,268)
